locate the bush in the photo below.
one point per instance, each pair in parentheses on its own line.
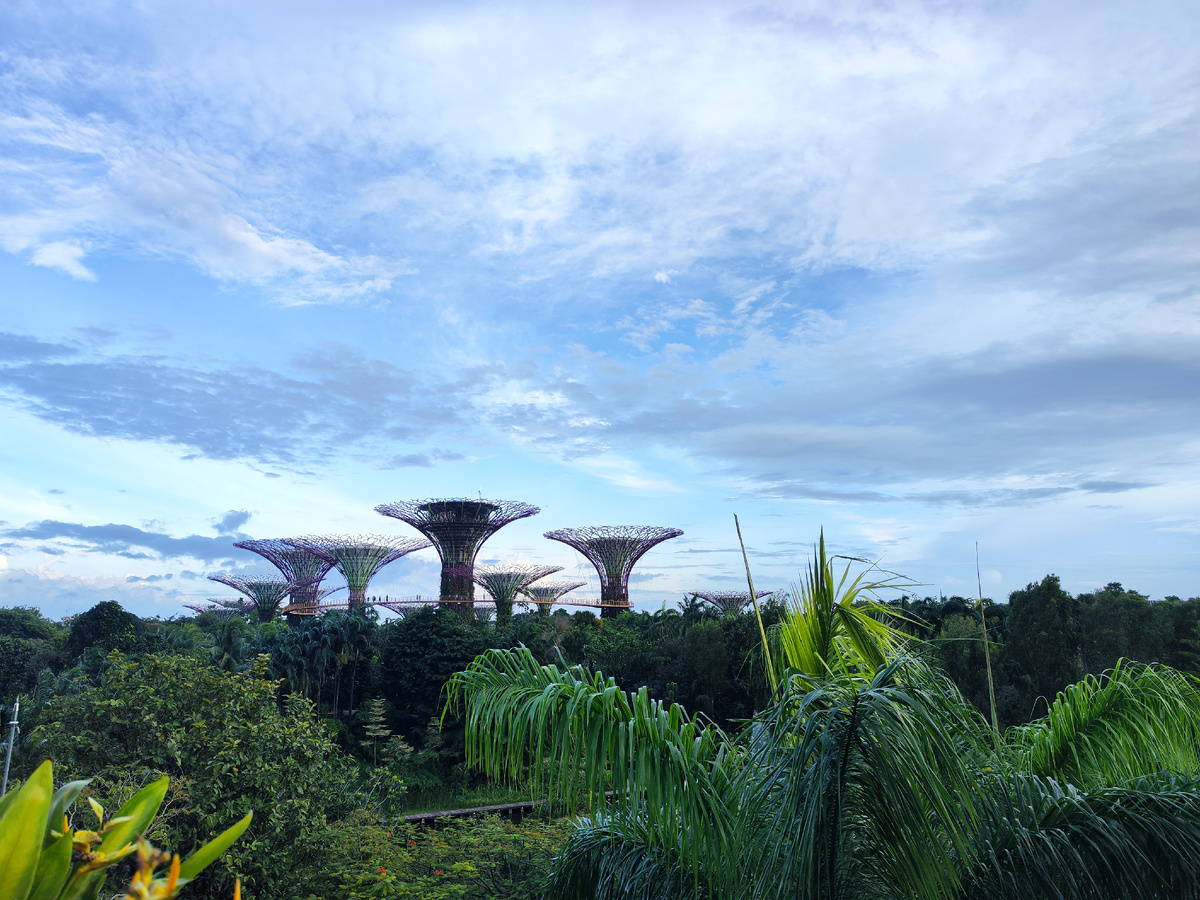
(226,744)
(462,858)
(106,626)
(420,653)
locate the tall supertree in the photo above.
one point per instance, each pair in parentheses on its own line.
(505,581)
(546,595)
(267,593)
(358,557)
(457,527)
(303,568)
(729,601)
(613,550)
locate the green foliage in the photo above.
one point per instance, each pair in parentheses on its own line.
(29,623)
(1043,637)
(375,727)
(106,626)
(419,655)
(834,624)
(225,742)
(471,859)
(29,643)
(845,786)
(42,858)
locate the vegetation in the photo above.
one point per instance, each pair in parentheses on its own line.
(43,858)
(876,738)
(865,775)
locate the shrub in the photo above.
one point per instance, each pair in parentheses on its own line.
(225,742)
(471,859)
(42,857)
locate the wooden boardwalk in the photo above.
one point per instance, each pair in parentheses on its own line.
(510,810)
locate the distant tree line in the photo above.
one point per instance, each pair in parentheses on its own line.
(1044,638)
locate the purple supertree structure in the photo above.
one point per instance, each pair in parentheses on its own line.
(303,568)
(729,601)
(546,595)
(267,593)
(358,557)
(613,550)
(506,580)
(457,527)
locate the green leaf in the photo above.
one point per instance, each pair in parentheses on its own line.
(6,800)
(63,798)
(141,809)
(53,869)
(85,888)
(200,859)
(21,832)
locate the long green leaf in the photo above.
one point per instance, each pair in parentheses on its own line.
(578,738)
(204,856)
(63,798)
(21,831)
(1134,721)
(53,869)
(141,809)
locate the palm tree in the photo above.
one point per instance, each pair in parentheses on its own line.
(857,780)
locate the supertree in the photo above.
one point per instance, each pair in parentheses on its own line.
(729,601)
(613,550)
(267,593)
(303,568)
(457,527)
(358,557)
(546,595)
(506,580)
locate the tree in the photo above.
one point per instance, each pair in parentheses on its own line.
(857,780)
(420,653)
(1043,638)
(376,726)
(106,626)
(222,738)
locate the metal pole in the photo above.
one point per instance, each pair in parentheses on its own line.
(13,731)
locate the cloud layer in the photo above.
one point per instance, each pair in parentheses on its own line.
(896,261)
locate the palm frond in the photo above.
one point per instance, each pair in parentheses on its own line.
(1038,838)
(847,778)
(1135,720)
(613,856)
(834,623)
(574,736)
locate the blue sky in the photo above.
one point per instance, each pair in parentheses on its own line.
(923,274)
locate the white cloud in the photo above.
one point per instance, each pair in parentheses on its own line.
(65,256)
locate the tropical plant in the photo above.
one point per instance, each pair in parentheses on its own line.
(225,740)
(43,858)
(837,625)
(867,775)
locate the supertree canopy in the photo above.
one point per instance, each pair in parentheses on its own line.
(457,527)
(267,593)
(548,593)
(730,601)
(613,550)
(506,580)
(303,568)
(358,557)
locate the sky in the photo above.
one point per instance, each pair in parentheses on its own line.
(923,275)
